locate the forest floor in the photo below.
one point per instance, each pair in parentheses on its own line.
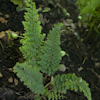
(82,59)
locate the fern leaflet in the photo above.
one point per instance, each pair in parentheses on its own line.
(71,81)
(31,77)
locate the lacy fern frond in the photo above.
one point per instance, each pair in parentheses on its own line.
(51,56)
(89,9)
(32,41)
(90,12)
(71,81)
(44,56)
(88,6)
(31,77)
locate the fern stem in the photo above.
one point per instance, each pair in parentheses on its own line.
(45,78)
(47,84)
(21,37)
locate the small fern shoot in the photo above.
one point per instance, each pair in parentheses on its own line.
(44,57)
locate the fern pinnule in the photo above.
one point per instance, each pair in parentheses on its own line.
(55,96)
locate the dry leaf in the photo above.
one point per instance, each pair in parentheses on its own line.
(2,20)
(15,81)
(6,16)
(79,69)
(69,23)
(43,20)
(52,79)
(10,80)
(10,69)
(2,34)
(96,59)
(97,64)
(8,31)
(1,75)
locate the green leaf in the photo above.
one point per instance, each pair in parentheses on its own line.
(16,2)
(31,77)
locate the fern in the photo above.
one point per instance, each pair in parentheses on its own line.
(32,37)
(88,6)
(72,82)
(30,76)
(89,9)
(90,12)
(51,56)
(44,57)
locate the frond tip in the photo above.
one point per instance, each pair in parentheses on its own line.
(71,81)
(32,36)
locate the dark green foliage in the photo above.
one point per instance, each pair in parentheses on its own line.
(89,9)
(89,6)
(90,12)
(44,57)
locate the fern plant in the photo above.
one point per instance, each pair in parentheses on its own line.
(44,57)
(90,12)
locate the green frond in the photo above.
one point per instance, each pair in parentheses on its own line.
(44,56)
(82,3)
(71,81)
(55,96)
(51,57)
(32,41)
(31,76)
(88,9)
(91,7)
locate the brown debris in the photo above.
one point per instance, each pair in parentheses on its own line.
(2,20)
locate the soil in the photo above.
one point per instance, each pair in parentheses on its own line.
(83,60)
